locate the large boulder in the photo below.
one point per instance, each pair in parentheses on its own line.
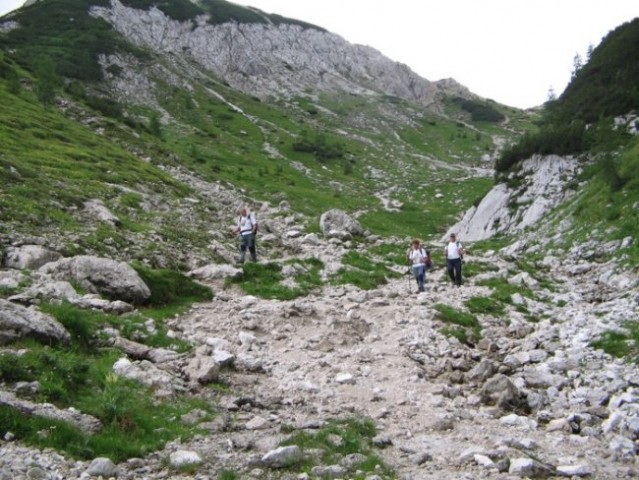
(28,257)
(337,223)
(503,393)
(17,322)
(114,280)
(47,290)
(85,423)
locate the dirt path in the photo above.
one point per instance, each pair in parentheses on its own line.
(378,354)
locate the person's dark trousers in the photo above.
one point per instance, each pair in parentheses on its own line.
(454,267)
(247,242)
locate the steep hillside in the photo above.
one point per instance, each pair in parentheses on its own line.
(117,98)
(573,182)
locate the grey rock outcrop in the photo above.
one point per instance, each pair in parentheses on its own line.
(337,223)
(47,290)
(98,210)
(17,322)
(86,423)
(214,272)
(10,279)
(542,186)
(183,458)
(163,383)
(103,468)
(115,280)
(28,257)
(263,59)
(282,456)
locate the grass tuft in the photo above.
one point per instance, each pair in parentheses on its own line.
(620,344)
(336,440)
(266,280)
(463,326)
(362,271)
(485,305)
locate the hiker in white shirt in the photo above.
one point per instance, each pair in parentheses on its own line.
(454,252)
(246,228)
(416,258)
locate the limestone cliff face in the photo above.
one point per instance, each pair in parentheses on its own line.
(280,60)
(524,201)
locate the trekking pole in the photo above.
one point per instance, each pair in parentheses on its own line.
(408,275)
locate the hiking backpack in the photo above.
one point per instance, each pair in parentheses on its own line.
(428,263)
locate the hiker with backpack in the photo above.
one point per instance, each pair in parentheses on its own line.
(247,229)
(418,258)
(454,253)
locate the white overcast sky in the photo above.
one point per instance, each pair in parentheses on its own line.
(512,51)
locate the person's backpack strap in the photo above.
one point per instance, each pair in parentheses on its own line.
(251,217)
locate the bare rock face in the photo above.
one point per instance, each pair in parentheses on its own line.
(115,280)
(541,188)
(17,322)
(274,59)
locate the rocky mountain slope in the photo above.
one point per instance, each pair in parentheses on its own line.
(278,60)
(139,151)
(530,398)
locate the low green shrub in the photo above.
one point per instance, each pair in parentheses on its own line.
(503,291)
(80,376)
(362,271)
(471,269)
(85,325)
(228,475)
(134,425)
